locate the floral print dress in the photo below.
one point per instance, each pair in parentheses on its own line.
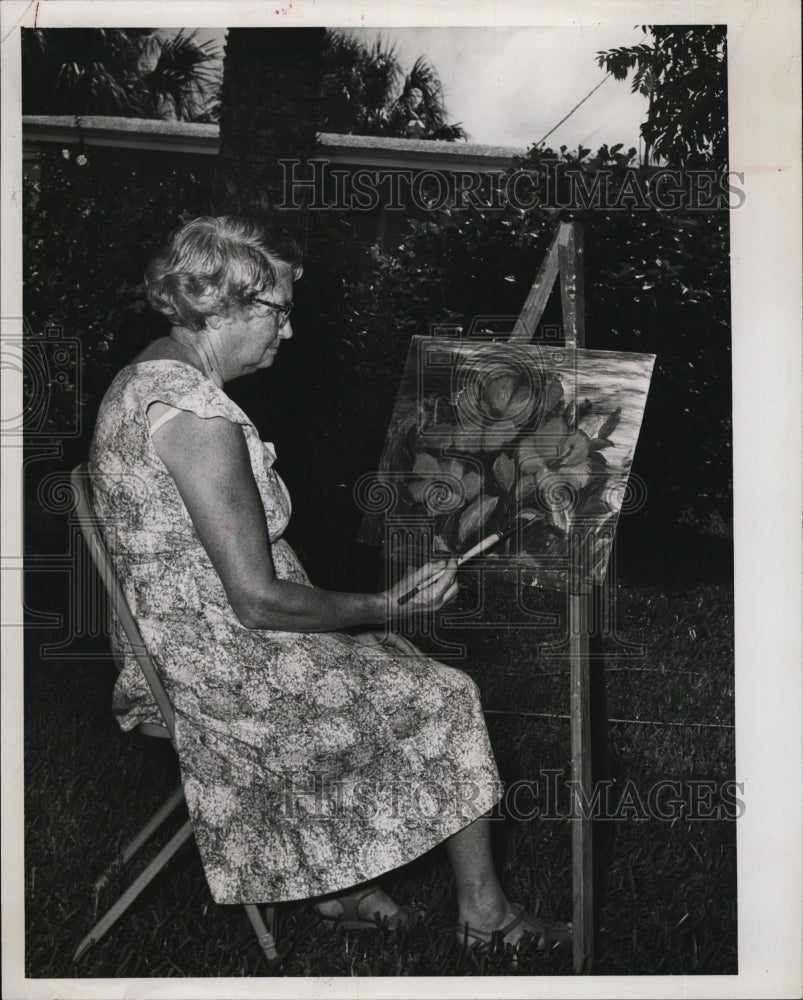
(309,762)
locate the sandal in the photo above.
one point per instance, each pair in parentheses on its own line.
(350,918)
(548,934)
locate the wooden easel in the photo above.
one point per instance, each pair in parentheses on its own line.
(587,714)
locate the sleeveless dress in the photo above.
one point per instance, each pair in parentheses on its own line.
(310,763)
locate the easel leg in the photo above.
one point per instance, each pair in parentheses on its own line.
(588,713)
(601,770)
(582,824)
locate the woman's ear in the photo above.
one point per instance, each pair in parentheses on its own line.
(214,321)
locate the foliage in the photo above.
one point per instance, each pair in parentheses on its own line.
(91,222)
(129,72)
(366,92)
(655,282)
(684,73)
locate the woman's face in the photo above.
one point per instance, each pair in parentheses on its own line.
(255,332)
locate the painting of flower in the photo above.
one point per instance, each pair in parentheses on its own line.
(487,436)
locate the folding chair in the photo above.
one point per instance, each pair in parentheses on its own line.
(93,537)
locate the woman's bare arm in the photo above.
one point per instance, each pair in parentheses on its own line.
(209,462)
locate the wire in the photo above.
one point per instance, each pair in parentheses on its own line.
(602,125)
(549,133)
(628,722)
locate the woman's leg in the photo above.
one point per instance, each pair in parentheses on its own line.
(480,899)
(481,902)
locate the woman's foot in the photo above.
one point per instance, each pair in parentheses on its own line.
(359,909)
(512,924)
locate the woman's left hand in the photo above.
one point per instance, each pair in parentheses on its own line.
(390,641)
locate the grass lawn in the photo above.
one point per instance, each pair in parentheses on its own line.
(669,888)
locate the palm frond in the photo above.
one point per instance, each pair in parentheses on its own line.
(184,74)
(132,72)
(366,91)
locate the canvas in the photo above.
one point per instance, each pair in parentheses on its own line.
(492,436)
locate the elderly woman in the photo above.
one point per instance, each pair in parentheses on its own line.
(313,761)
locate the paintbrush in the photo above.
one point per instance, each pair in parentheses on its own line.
(488,542)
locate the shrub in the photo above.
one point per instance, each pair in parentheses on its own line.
(91,221)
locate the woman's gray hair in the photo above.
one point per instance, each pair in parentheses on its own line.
(212,266)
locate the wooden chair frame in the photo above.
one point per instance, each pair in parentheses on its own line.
(94,540)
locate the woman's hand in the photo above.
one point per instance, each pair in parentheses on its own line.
(428,588)
(390,641)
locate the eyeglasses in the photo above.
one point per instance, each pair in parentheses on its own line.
(284,310)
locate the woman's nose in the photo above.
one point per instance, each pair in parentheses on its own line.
(286,331)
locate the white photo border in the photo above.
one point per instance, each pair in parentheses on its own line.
(765,145)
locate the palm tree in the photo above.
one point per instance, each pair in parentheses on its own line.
(130,72)
(366,92)
(268,111)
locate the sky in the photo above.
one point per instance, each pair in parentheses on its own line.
(510,86)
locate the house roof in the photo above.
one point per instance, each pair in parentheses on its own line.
(124,133)
(203,139)
(415,152)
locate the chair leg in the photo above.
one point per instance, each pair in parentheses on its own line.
(264,935)
(134,890)
(132,847)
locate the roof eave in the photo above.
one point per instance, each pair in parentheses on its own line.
(203,139)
